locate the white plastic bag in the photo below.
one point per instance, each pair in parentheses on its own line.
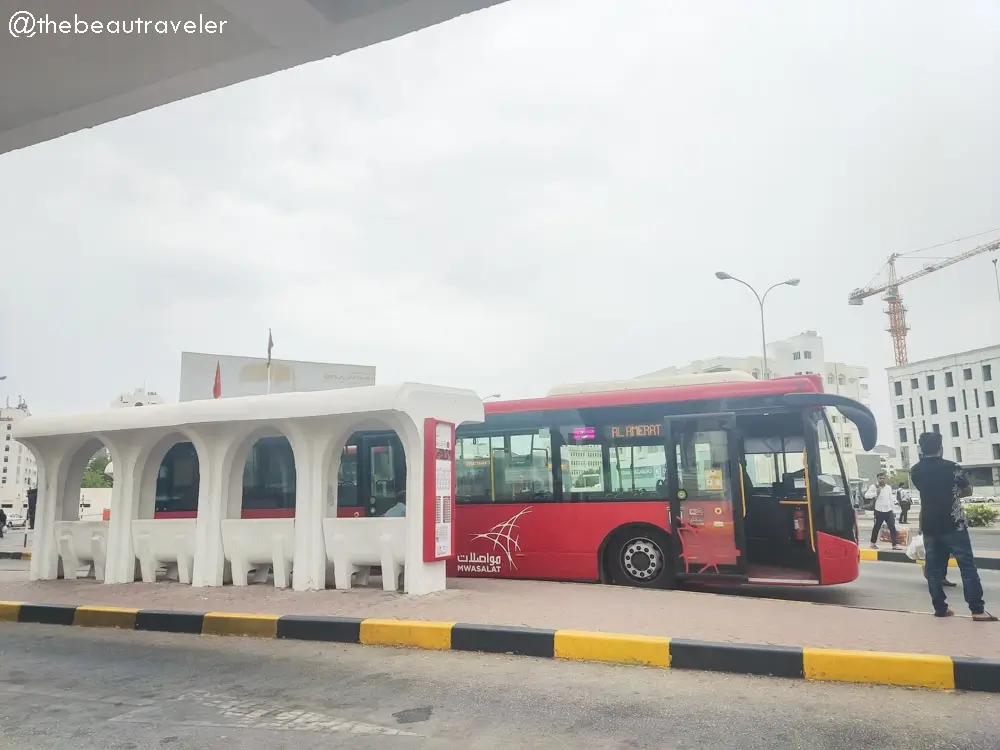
(915,549)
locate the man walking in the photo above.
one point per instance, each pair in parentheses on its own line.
(942,485)
(903,498)
(883,496)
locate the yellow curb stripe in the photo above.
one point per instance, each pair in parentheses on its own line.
(9,611)
(613,648)
(869,555)
(105,617)
(414,633)
(231,623)
(25,555)
(908,670)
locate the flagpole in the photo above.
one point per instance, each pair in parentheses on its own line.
(270,345)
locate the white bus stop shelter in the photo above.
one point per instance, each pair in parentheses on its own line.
(305,548)
(57,80)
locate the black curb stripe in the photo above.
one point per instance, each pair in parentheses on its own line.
(977,674)
(10,555)
(169,621)
(984,563)
(777,661)
(47,614)
(330,629)
(893,557)
(502,639)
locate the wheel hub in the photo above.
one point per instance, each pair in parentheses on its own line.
(642,559)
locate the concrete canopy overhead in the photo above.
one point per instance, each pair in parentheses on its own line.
(70,65)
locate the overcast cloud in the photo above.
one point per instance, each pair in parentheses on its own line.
(533,194)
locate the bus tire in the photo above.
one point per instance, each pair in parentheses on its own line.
(640,556)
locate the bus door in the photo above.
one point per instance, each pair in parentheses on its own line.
(382,469)
(704,484)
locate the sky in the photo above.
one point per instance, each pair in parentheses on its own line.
(534,194)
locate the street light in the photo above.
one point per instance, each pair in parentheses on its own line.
(723,276)
(492,395)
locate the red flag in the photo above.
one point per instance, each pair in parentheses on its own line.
(217,388)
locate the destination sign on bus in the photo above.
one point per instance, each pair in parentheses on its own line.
(584,433)
(635,430)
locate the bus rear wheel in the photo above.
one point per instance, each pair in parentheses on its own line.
(640,557)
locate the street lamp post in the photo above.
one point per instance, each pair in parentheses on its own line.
(492,395)
(723,276)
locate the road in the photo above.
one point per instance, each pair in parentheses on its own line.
(71,687)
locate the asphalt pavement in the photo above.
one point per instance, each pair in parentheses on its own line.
(72,687)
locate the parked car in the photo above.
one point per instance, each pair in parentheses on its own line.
(16,522)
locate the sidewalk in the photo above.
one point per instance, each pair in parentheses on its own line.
(678,614)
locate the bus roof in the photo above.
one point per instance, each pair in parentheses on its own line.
(655,395)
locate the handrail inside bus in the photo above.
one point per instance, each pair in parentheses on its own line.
(853,410)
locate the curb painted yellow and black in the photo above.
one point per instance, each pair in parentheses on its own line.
(910,670)
(877,555)
(15,555)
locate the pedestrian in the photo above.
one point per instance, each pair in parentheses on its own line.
(883,496)
(903,498)
(942,485)
(3,522)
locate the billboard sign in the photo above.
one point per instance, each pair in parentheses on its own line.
(247,376)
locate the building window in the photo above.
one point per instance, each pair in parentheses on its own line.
(898,387)
(900,411)
(979,419)
(993,425)
(949,380)
(809,355)
(967,373)
(975,396)
(936,428)
(829,379)
(902,434)
(933,405)
(990,400)
(996,451)
(904,456)
(930,382)
(954,429)
(968,429)
(921,406)
(913,429)
(840,379)
(847,441)
(965,401)
(796,355)
(958,455)
(987,372)
(914,383)
(951,404)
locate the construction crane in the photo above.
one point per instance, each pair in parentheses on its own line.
(890,293)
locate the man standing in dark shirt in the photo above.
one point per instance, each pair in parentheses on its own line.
(942,485)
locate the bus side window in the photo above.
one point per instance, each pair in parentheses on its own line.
(504,468)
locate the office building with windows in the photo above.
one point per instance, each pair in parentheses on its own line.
(956,395)
(798,355)
(18,472)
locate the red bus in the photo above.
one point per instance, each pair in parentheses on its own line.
(739,481)
(719,478)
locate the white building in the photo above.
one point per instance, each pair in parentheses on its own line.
(799,355)
(887,458)
(18,472)
(138,397)
(956,395)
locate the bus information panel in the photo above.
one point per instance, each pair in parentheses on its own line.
(439,490)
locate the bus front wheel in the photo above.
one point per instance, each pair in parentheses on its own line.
(640,557)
